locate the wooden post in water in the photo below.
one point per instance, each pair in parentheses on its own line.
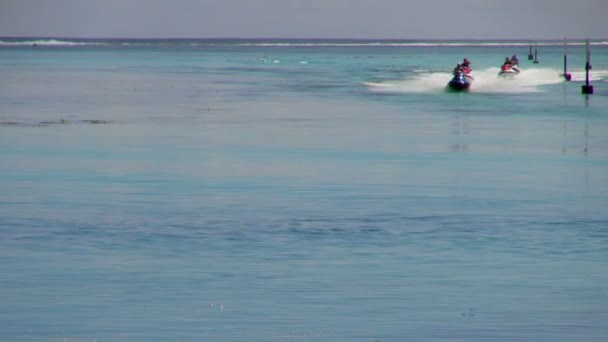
(587,88)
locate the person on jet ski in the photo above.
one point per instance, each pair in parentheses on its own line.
(466,66)
(458,69)
(514,60)
(508,65)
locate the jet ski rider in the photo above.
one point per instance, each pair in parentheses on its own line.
(510,64)
(514,60)
(466,66)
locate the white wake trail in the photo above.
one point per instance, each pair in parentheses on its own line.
(486,81)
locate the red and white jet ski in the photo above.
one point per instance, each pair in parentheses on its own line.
(509,71)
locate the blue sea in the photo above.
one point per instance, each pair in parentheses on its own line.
(301,190)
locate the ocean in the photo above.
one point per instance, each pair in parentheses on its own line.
(301,190)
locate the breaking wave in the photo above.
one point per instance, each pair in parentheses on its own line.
(286,42)
(46,42)
(411,44)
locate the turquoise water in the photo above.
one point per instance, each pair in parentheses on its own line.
(268,190)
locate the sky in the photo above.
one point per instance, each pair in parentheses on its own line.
(364,19)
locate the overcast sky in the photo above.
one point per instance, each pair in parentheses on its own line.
(400,19)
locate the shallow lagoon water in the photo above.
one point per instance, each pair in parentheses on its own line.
(273,192)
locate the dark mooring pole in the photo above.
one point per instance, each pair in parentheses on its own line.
(587,88)
(567,76)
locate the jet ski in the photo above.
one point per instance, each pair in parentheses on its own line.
(462,80)
(509,71)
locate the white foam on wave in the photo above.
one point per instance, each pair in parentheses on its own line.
(58,42)
(486,81)
(423,83)
(528,81)
(45,42)
(594,75)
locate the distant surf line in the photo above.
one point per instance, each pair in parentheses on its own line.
(418,44)
(8,42)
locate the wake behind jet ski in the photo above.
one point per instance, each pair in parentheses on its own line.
(510,68)
(462,77)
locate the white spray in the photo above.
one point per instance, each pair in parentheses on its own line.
(486,81)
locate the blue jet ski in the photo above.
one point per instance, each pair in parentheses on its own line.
(461,81)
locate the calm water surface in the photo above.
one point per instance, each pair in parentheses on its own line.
(300,191)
